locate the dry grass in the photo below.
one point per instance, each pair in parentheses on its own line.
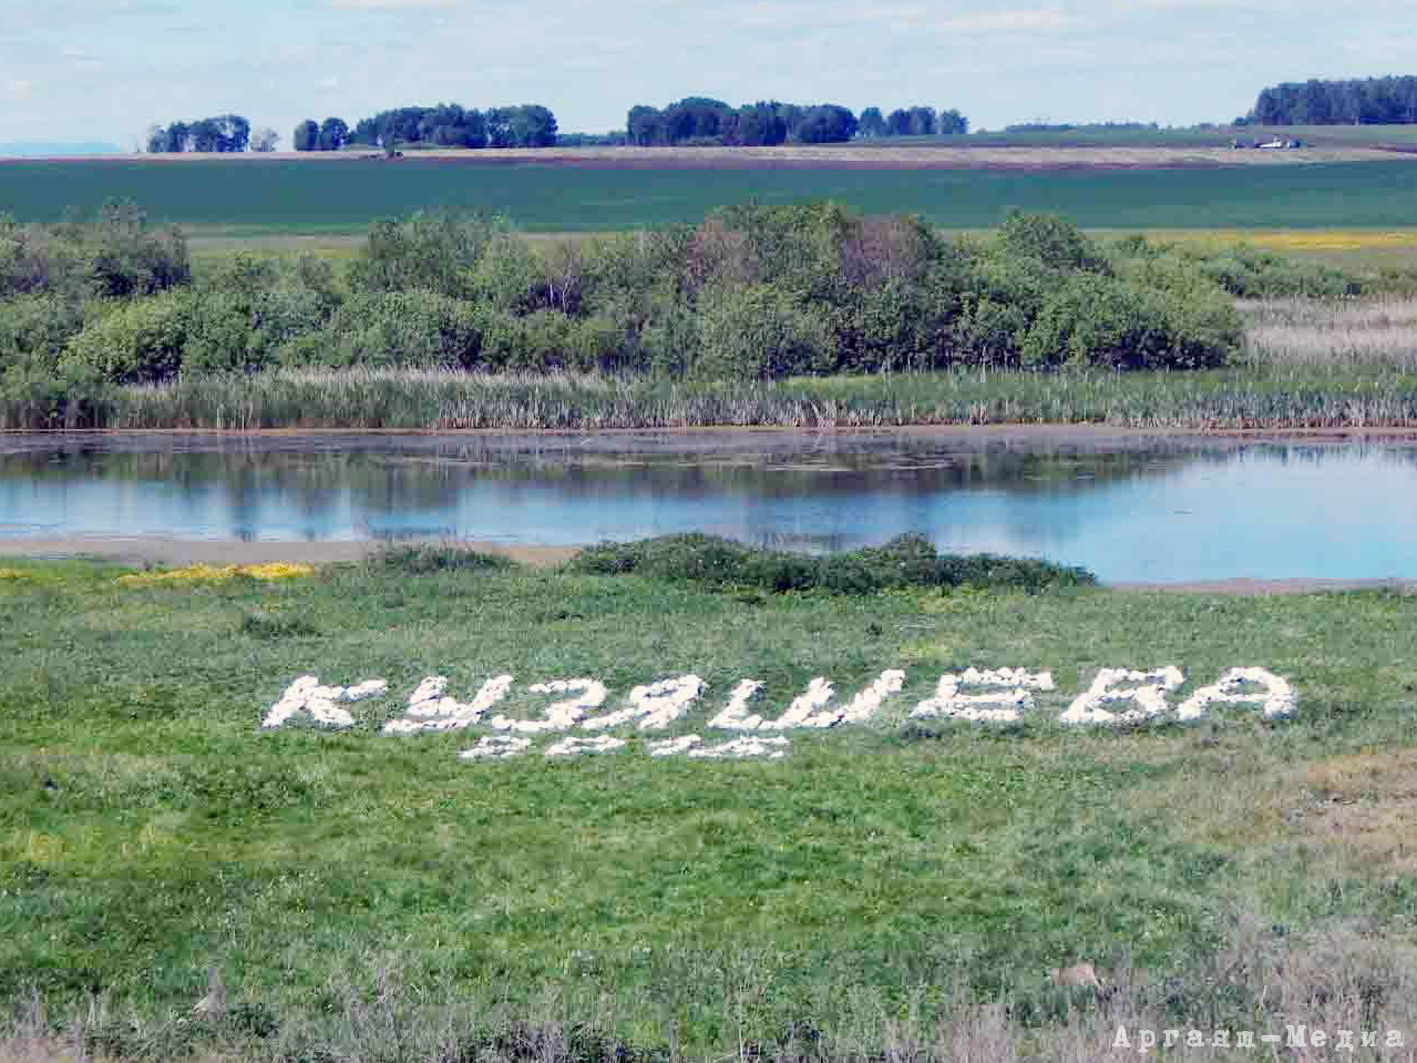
(1380,333)
(1336,979)
(1363,809)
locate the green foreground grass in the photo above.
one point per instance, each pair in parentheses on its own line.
(151,832)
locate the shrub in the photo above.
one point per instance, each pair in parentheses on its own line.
(236,332)
(1052,240)
(245,308)
(507,276)
(759,332)
(906,561)
(117,256)
(419,559)
(138,342)
(1253,274)
(34,330)
(129,258)
(1091,320)
(435,251)
(547,341)
(413,328)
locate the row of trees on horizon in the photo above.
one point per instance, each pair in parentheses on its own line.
(707,121)
(703,120)
(1365,101)
(448,125)
(693,120)
(224,132)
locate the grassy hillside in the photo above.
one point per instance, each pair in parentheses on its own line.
(876,877)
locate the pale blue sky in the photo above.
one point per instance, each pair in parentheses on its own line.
(105,69)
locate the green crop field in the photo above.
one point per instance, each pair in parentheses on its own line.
(256,196)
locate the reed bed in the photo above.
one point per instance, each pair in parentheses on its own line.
(1293,394)
(1371,333)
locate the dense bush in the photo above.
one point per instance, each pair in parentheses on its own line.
(242,313)
(401,328)
(34,330)
(906,561)
(753,292)
(421,559)
(759,332)
(436,251)
(1246,272)
(137,342)
(116,256)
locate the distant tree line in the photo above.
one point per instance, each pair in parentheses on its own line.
(1369,101)
(1072,127)
(703,120)
(329,135)
(448,125)
(916,121)
(225,132)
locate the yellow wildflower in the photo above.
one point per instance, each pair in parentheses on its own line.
(270,570)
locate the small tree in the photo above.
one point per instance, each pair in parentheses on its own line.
(264,139)
(333,135)
(872,123)
(952,121)
(307,136)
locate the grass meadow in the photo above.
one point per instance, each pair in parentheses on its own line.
(255,197)
(895,890)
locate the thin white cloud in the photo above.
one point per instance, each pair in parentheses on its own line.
(1015,20)
(390,5)
(17,87)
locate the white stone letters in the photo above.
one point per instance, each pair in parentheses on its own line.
(1011,693)
(430,710)
(1277,698)
(1000,695)
(1148,694)
(560,715)
(307,695)
(655,705)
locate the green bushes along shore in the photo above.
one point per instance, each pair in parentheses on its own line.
(753,293)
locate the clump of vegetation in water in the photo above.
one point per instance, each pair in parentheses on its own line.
(905,561)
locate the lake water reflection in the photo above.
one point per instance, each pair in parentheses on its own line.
(1129,507)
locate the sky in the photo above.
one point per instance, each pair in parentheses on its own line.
(75,70)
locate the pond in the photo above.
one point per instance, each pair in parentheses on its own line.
(1131,507)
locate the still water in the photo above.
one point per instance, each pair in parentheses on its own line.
(1129,507)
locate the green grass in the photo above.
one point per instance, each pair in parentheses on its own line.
(1275,394)
(150,831)
(250,197)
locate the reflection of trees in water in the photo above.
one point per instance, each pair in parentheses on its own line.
(428,474)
